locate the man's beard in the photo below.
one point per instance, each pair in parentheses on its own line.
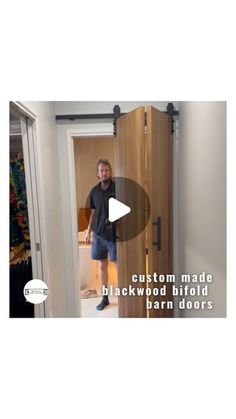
(106,181)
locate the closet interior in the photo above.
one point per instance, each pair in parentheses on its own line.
(20,253)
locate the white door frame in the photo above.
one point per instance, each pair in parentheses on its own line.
(29,132)
(85,130)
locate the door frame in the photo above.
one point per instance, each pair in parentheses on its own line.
(37,241)
(83,130)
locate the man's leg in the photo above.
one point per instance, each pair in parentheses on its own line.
(104,272)
(104,283)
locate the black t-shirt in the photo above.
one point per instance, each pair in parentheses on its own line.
(99,201)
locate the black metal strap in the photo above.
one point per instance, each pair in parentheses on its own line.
(170,110)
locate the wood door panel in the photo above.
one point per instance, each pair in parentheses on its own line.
(159,188)
(146,158)
(130,163)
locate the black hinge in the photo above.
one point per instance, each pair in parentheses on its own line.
(116,114)
(146,251)
(170,110)
(145,119)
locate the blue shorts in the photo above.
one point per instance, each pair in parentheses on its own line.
(101,248)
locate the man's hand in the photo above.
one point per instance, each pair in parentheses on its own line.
(88,236)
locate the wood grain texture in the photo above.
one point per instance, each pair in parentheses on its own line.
(159,173)
(130,163)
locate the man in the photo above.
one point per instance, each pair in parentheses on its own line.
(104,233)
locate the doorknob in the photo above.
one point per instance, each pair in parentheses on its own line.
(158,242)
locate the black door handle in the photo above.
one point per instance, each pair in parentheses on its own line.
(158,242)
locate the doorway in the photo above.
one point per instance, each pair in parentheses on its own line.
(25,235)
(87,151)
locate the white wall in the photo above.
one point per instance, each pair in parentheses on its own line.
(202,196)
(50,198)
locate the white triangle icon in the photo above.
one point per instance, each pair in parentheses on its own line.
(116,209)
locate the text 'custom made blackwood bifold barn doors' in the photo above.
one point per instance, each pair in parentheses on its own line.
(143,154)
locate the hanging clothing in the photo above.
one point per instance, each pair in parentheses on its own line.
(20,274)
(20,255)
(19,224)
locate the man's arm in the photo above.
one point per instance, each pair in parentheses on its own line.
(89,230)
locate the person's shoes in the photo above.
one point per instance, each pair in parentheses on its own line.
(103,303)
(88,293)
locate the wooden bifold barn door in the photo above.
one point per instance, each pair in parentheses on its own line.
(143,153)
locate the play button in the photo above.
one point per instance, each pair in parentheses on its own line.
(117,210)
(125,209)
